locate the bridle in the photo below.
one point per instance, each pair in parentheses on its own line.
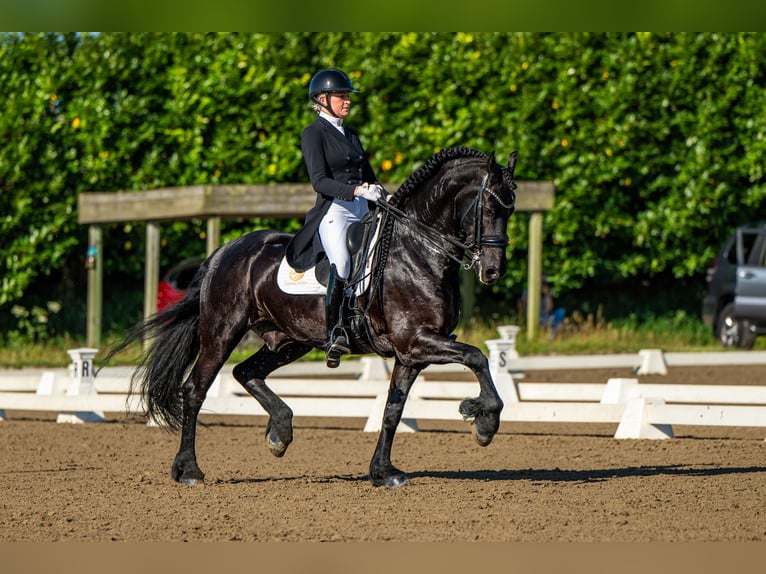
(480,240)
(471,251)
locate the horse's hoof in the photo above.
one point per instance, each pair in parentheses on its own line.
(277,447)
(191,481)
(391,481)
(278,450)
(186,473)
(396,481)
(482,439)
(279,436)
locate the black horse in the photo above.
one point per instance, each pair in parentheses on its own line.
(455,207)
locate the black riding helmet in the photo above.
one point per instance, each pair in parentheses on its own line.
(328,81)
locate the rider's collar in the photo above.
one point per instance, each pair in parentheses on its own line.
(336,122)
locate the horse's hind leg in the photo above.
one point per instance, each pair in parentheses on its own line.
(185,468)
(220,332)
(251,374)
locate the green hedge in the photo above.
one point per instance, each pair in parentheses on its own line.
(655,143)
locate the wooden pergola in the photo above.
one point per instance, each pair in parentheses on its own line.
(215,202)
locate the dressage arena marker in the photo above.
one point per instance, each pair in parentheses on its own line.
(77,383)
(652,362)
(640,411)
(81,384)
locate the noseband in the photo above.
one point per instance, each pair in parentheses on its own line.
(471,251)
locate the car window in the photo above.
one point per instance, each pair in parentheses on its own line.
(758,255)
(748,241)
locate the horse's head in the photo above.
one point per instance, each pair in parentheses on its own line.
(459,201)
(484,211)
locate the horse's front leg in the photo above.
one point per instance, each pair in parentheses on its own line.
(382,471)
(483,411)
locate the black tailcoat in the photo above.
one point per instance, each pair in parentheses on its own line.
(336,164)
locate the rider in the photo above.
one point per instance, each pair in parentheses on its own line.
(344,180)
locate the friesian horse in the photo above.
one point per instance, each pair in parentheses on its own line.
(451,213)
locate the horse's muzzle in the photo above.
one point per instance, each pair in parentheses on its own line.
(489,275)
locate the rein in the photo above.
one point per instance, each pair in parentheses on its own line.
(470,251)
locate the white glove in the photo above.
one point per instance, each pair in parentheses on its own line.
(371,192)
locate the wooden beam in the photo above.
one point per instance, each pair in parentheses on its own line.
(213,235)
(535,196)
(275,200)
(282,200)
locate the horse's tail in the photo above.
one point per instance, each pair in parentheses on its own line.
(172,339)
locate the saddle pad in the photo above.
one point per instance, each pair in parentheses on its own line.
(295,283)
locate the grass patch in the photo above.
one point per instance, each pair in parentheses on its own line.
(580,335)
(589,335)
(51,353)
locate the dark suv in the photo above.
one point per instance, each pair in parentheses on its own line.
(735,306)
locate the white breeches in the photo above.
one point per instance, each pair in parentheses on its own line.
(333,228)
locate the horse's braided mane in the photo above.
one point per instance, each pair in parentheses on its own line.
(428,169)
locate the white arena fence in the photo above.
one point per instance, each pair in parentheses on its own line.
(359,389)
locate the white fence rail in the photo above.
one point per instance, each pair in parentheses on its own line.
(359,389)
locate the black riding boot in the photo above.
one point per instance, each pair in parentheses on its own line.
(337,342)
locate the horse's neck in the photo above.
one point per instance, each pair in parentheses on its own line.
(434,203)
(423,252)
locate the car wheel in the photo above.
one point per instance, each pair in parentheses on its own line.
(734,332)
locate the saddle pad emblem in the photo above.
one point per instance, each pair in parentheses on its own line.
(295,276)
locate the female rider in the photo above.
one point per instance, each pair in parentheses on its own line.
(344,180)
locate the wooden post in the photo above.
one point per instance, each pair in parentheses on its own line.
(467,293)
(152,274)
(534,273)
(213,236)
(95,264)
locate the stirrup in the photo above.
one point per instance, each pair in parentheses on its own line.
(337,347)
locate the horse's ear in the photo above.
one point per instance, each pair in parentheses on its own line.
(512,161)
(492,166)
